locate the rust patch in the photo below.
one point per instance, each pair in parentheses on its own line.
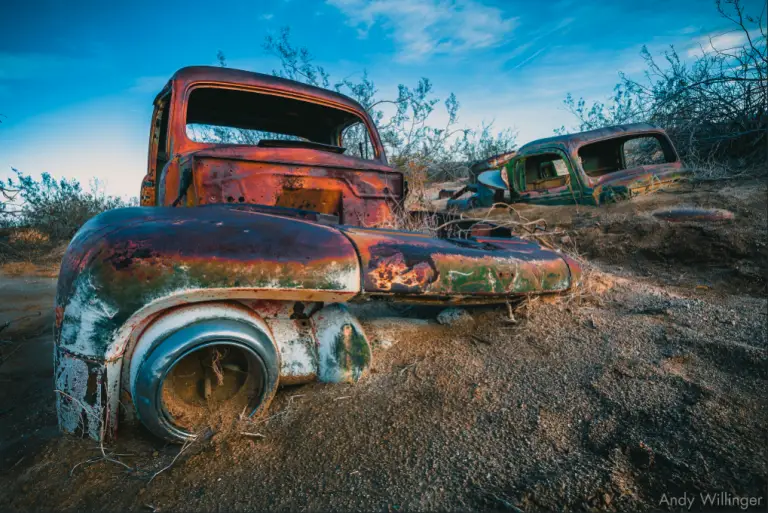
(323,201)
(392,273)
(59,316)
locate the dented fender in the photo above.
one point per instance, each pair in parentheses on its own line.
(125,260)
(126,265)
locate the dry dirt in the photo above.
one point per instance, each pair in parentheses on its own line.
(652,381)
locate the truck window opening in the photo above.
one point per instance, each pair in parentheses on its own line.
(228,116)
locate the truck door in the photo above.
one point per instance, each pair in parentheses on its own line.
(158,150)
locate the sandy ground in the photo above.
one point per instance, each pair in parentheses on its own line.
(650,382)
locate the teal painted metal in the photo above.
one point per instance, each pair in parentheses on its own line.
(578,186)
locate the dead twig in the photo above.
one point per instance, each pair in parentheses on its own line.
(291,398)
(102,433)
(511,314)
(410,366)
(184,447)
(482,340)
(6,324)
(271,417)
(254,435)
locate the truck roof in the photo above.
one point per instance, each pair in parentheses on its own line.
(572,141)
(220,75)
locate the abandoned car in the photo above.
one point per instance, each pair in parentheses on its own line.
(591,168)
(258,222)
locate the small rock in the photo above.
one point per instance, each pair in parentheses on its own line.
(454,316)
(385,343)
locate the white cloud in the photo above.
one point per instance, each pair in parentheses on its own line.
(720,41)
(266,17)
(529,58)
(422,28)
(688,30)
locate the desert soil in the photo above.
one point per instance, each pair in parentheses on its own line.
(651,381)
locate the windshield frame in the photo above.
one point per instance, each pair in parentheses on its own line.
(180,132)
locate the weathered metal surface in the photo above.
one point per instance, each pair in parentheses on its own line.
(492,180)
(134,262)
(359,191)
(417,265)
(357,194)
(694,214)
(578,187)
(291,327)
(343,351)
(87,393)
(494,162)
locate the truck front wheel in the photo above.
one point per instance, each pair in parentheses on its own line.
(204,376)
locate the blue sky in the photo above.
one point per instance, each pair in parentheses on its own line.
(77,78)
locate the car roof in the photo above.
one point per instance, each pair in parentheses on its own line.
(573,141)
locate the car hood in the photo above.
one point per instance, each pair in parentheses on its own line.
(642,176)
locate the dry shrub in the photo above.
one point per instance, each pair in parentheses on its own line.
(28,236)
(55,208)
(19,268)
(712,106)
(416,213)
(27,268)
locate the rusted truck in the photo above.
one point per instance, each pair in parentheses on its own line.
(257,226)
(589,168)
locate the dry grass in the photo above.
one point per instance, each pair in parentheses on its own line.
(30,269)
(30,252)
(27,236)
(19,268)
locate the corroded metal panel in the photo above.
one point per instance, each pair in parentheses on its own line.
(343,351)
(414,264)
(152,253)
(291,327)
(364,196)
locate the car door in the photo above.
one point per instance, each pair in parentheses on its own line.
(545,177)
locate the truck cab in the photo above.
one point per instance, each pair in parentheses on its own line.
(221,135)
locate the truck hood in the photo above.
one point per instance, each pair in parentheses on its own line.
(295,156)
(356,191)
